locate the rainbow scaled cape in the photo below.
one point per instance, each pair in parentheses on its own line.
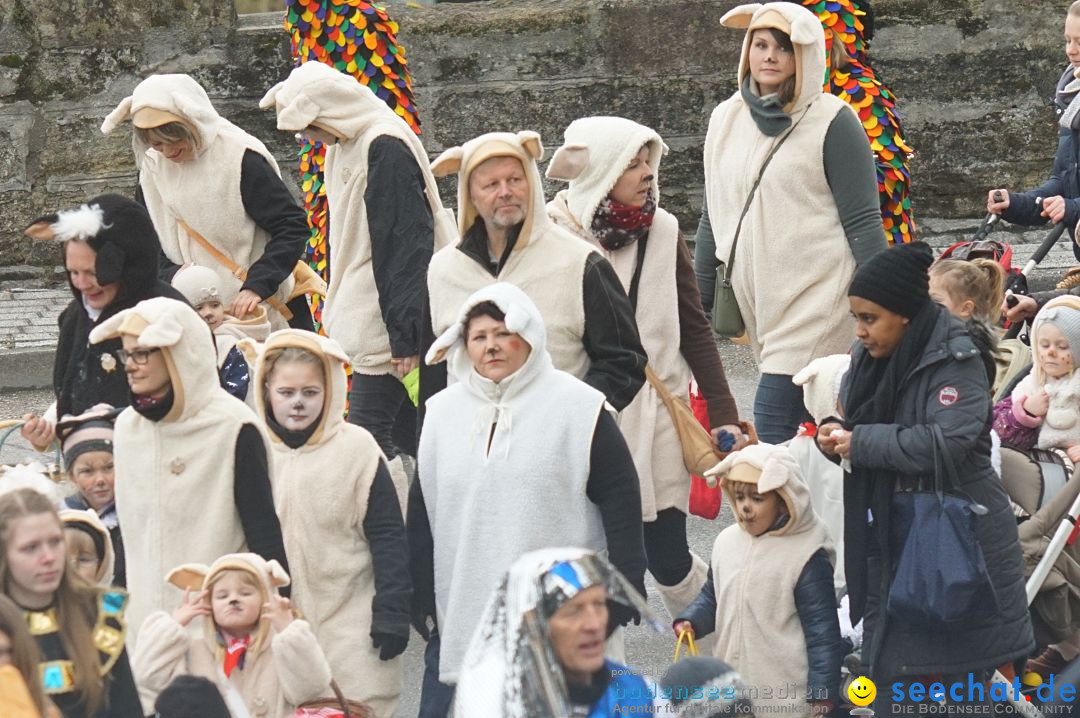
(858,85)
(359,39)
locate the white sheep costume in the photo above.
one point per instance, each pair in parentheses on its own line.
(493,495)
(547,261)
(820,380)
(316,94)
(203,191)
(175,477)
(330,478)
(596,151)
(793,262)
(280,670)
(757,622)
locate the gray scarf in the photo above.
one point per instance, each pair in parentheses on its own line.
(1067,100)
(767,111)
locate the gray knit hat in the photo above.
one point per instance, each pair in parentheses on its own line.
(722,691)
(1067,320)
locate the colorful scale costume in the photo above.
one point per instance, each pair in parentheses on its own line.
(359,39)
(858,85)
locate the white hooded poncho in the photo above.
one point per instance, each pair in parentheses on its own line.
(490,502)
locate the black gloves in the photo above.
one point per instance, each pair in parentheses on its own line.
(390,645)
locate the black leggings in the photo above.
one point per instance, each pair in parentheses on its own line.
(666,548)
(381,405)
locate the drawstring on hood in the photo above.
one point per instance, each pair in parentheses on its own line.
(522,318)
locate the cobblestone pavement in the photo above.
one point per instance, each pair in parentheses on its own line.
(28,317)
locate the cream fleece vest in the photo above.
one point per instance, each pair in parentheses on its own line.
(487,507)
(793,263)
(205,192)
(273,682)
(550,268)
(174,496)
(352,314)
(321,494)
(645,422)
(757,624)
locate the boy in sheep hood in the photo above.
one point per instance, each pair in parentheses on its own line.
(590,323)
(538,440)
(778,549)
(192,474)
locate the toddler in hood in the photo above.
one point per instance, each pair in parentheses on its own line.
(778,548)
(235,357)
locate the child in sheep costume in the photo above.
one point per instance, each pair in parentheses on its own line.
(268,672)
(349,567)
(500,464)
(598,151)
(229,192)
(192,473)
(235,358)
(769,597)
(590,323)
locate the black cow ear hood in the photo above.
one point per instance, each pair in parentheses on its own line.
(120,232)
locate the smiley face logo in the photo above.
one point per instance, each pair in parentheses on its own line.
(862,691)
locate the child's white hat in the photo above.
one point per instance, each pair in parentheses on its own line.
(201,284)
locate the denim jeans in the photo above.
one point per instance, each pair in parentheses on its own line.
(381,405)
(435,698)
(778,408)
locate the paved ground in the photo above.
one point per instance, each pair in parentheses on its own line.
(28,331)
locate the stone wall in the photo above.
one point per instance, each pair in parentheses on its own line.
(972,75)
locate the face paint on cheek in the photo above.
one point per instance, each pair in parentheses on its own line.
(515,344)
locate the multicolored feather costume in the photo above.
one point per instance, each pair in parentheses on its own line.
(855,82)
(359,39)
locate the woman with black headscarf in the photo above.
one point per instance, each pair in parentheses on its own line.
(110,253)
(915,370)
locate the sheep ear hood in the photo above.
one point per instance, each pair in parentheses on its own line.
(185,342)
(317,94)
(807,36)
(525,146)
(820,380)
(160,99)
(336,383)
(770,468)
(89,522)
(596,151)
(522,318)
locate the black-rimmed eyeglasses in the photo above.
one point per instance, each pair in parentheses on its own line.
(138,356)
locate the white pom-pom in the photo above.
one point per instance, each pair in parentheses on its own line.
(82,223)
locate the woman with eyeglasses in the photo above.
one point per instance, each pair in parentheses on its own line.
(192,474)
(110,254)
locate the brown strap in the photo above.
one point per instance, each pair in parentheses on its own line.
(236,270)
(341,698)
(658,385)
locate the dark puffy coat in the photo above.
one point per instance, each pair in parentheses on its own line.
(948,388)
(1064,181)
(127,250)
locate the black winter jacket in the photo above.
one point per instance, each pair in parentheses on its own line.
(815,600)
(949,388)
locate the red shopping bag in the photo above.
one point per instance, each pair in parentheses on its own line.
(704,501)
